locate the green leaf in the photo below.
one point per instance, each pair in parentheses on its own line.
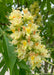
(22,65)
(51,20)
(0,0)
(48,5)
(1,51)
(52,1)
(52,54)
(3,70)
(43,4)
(9,54)
(5,7)
(15,70)
(2,63)
(52,10)
(22,72)
(23,1)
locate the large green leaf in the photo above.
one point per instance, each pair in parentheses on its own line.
(9,54)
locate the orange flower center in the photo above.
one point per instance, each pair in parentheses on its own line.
(23,27)
(18,29)
(13,16)
(34,32)
(36,44)
(36,54)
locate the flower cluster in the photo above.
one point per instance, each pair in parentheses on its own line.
(25,35)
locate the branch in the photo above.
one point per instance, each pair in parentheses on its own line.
(18,2)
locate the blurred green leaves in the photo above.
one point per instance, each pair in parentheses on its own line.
(5,8)
(52,1)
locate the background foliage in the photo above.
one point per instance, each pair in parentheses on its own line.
(47,31)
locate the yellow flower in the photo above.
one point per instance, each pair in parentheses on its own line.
(10,17)
(41,46)
(24,43)
(37,62)
(25,10)
(29,25)
(28,29)
(32,58)
(13,30)
(32,21)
